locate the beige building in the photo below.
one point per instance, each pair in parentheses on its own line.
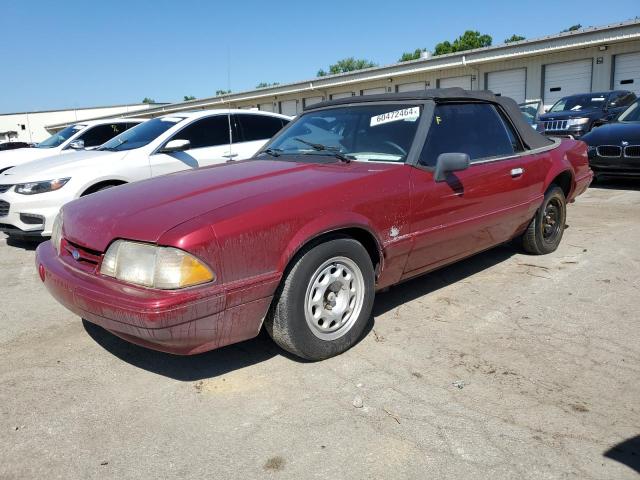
(32,126)
(548,68)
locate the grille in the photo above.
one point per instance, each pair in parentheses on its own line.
(85,255)
(552,125)
(609,151)
(632,151)
(4,208)
(4,188)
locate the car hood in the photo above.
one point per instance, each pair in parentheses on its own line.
(58,166)
(614,134)
(566,115)
(12,158)
(145,210)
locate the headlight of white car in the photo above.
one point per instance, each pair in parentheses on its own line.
(577,121)
(44,186)
(56,233)
(153,266)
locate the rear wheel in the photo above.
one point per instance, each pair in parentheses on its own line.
(325,300)
(544,233)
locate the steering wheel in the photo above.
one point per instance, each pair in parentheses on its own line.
(396,146)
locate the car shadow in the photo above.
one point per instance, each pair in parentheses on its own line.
(29,245)
(610,183)
(257,350)
(627,453)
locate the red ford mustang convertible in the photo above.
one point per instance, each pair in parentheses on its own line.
(353,196)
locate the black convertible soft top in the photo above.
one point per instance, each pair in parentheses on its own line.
(529,136)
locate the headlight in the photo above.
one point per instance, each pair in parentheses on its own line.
(577,121)
(149,265)
(56,232)
(32,188)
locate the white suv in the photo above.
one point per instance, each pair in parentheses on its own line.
(79,136)
(31,195)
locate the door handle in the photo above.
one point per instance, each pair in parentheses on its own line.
(230,155)
(517,172)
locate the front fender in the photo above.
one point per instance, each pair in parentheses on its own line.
(327,223)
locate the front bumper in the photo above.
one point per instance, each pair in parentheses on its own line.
(615,166)
(31,216)
(182,322)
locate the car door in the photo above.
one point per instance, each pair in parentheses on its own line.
(255,131)
(476,208)
(210,143)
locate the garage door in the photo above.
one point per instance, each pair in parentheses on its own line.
(568,78)
(374,91)
(336,96)
(289,107)
(266,107)
(626,73)
(462,82)
(410,87)
(508,83)
(312,100)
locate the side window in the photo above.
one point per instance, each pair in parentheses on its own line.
(102,133)
(206,132)
(476,129)
(627,100)
(259,127)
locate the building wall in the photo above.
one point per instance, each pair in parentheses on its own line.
(30,127)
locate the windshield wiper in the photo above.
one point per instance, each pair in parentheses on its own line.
(324,148)
(274,152)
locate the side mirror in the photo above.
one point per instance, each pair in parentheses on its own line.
(176,146)
(450,162)
(77,145)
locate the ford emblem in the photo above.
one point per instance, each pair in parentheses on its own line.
(75,254)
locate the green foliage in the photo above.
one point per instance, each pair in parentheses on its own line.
(222,92)
(189,97)
(467,41)
(347,65)
(572,28)
(148,100)
(267,84)
(415,55)
(514,38)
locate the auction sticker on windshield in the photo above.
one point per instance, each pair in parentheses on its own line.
(410,114)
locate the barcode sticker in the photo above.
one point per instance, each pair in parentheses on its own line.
(410,114)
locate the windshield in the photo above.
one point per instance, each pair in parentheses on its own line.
(368,132)
(530,111)
(60,137)
(141,135)
(578,103)
(631,114)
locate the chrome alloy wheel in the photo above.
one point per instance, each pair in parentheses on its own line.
(334,298)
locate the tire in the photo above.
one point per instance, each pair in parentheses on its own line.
(324,301)
(544,233)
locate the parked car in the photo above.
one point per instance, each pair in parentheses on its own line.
(347,199)
(532,111)
(31,195)
(614,149)
(576,115)
(79,136)
(13,145)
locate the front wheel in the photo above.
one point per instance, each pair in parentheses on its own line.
(325,300)
(545,231)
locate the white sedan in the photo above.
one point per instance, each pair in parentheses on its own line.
(31,195)
(79,136)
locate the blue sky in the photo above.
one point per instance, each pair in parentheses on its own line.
(84,53)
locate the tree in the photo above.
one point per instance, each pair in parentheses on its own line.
(347,65)
(148,100)
(415,55)
(189,97)
(514,38)
(267,84)
(467,41)
(222,92)
(572,28)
